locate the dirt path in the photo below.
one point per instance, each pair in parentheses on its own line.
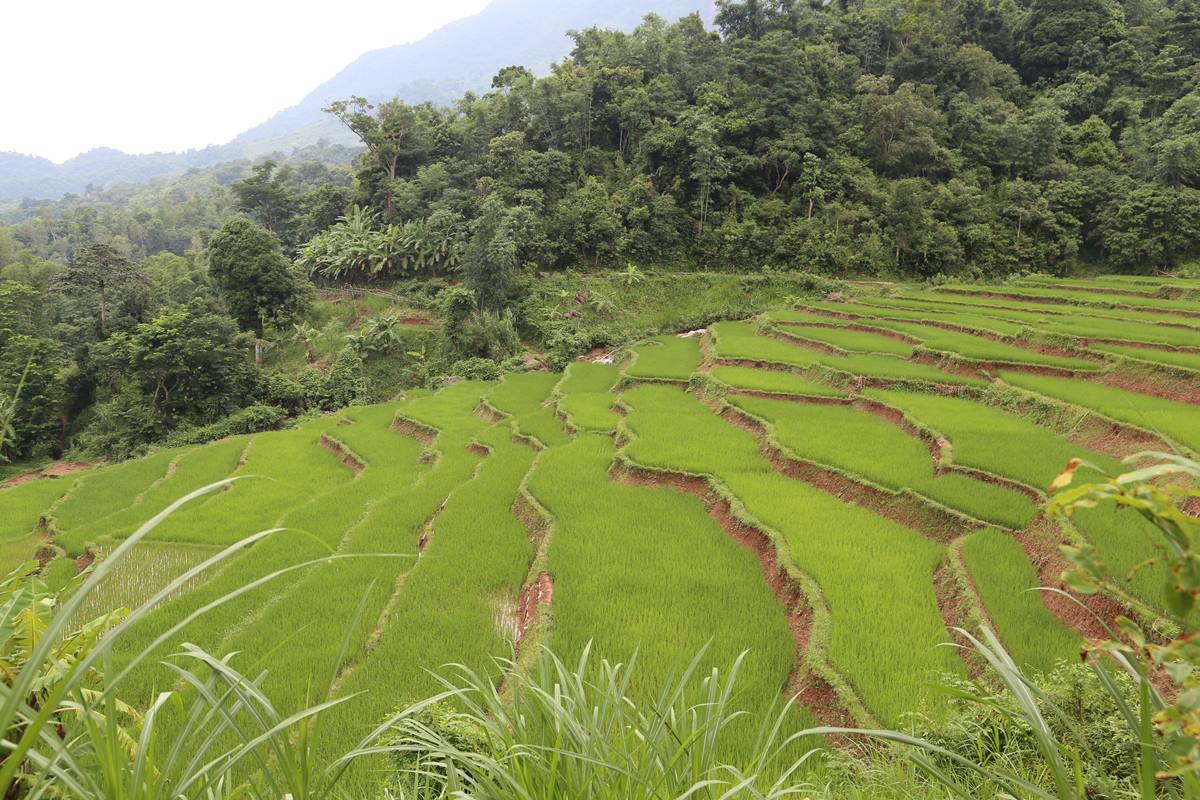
(57,470)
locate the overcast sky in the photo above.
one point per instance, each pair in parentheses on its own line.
(162,75)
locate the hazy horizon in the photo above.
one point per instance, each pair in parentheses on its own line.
(146,86)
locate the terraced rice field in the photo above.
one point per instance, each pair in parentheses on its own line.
(832,488)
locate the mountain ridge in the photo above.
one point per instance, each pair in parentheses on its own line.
(440,67)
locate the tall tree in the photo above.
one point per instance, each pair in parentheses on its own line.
(258,284)
(266,198)
(97,271)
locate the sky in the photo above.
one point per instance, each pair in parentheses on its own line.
(166,75)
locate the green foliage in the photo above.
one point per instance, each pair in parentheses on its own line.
(256,282)
(188,362)
(93,279)
(476,369)
(343,384)
(31,393)
(358,246)
(251,419)
(1175,531)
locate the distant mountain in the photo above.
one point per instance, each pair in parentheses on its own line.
(462,56)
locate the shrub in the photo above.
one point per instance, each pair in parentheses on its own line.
(343,384)
(252,419)
(476,369)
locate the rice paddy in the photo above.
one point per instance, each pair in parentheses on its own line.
(766,486)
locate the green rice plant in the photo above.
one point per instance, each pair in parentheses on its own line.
(903,309)
(198,467)
(22,506)
(770,380)
(1082,298)
(738,341)
(978,348)
(314,527)
(456,603)
(1117,734)
(1124,546)
(1087,326)
(891,368)
(1004,444)
(142,573)
(666,357)
(1061,320)
(1009,587)
(987,438)
(15,552)
(804,315)
(526,397)
(104,491)
(381,512)
(545,426)
(653,577)
(58,573)
(849,340)
(294,467)
(585,398)
(876,575)
(863,445)
(1177,421)
(523,393)
(389,529)
(1095,322)
(1182,359)
(574,729)
(69,735)
(1138,283)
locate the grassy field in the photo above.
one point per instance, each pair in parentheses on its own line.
(410,530)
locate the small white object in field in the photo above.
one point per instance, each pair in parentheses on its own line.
(690,334)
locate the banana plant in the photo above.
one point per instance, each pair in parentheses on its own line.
(307,336)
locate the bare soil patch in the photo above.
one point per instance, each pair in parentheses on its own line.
(343,454)
(1164,385)
(57,470)
(489,414)
(1086,614)
(415,430)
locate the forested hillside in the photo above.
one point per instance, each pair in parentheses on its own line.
(946,140)
(955,138)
